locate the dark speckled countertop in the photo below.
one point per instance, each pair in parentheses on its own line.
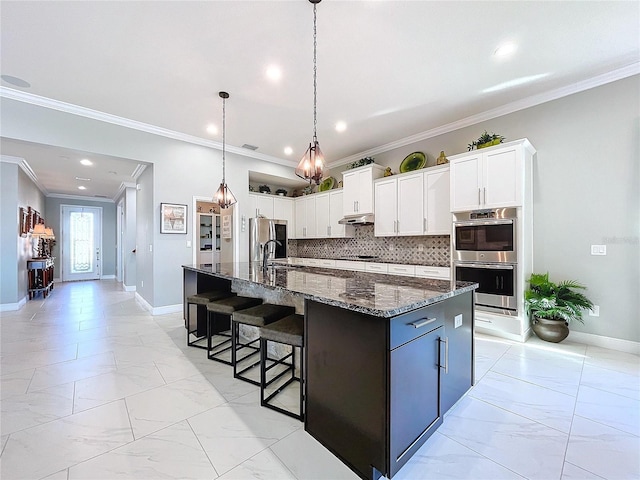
(380,295)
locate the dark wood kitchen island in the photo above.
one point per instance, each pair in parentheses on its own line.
(385,356)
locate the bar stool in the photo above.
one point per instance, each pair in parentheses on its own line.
(201,300)
(219,314)
(288,331)
(258,316)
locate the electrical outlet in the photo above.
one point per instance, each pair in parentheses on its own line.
(457,321)
(142,283)
(595,311)
(598,249)
(421,247)
(188,243)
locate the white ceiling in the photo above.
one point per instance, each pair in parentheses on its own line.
(389,69)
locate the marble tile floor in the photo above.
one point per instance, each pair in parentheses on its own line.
(93,387)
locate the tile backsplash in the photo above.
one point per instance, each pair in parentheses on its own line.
(436,250)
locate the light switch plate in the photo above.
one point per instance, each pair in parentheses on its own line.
(598,249)
(457,321)
(594,311)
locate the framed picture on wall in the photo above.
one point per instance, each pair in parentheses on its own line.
(24,222)
(173,218)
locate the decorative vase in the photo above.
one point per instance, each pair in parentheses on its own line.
(550,330)
(442,159)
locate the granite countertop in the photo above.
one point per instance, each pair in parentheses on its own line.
(380,295)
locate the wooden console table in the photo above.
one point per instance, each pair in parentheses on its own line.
(40,272)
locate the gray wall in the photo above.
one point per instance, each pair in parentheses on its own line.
(53,219)
(17,190)
(129,238)
(586,191)
(145,229)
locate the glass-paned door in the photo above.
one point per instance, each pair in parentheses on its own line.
(81,243)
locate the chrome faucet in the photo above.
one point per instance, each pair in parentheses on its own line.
(265,252)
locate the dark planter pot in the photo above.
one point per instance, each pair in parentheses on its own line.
(550,330)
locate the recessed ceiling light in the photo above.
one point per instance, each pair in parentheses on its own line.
(288,150)
(505,50)
(83,179)
(212,129)
(341,126)
(86,162)
(515,82)
(274,73)
(82,187)
(15,81)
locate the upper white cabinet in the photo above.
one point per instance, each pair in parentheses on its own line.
(492,177)
(274,207)
(358,189)
(414,203)
(437,214)
(316,216)
(305,217)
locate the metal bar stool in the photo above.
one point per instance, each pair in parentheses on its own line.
(219,320)
(288,331)
(201,300)
(258,316)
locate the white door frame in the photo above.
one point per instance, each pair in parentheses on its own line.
(65,275)
(119,234)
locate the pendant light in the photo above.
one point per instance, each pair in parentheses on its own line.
(223,196)
(311,167)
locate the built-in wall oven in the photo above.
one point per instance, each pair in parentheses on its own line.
(485,252)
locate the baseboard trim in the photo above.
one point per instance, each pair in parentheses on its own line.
(128,288)
(611,343)
(164,310)
(108,277)
(12,307)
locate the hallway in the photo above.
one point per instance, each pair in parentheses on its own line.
(93,387)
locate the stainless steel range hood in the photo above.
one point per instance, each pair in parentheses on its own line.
(357,220)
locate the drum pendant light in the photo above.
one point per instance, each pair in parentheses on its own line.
(223,196)
(311,167)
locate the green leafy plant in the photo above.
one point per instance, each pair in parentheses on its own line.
(561,301)
(486,140)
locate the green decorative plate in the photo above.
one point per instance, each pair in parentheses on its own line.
(413,161)
(326,184)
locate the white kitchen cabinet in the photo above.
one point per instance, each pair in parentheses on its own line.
(437,214)
(283,210)
(376,267)
(358,189)
(261,204)
(492,177)
(443,273)
(405,270)
(336,206)
(305,217)
(322,215)
(413,204)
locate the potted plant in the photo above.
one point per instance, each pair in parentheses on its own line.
(486,140)
(264,189)
(552,306)
(282,192)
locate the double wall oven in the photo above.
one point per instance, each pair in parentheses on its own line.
(485,252)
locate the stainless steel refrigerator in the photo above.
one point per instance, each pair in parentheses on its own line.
(262,230)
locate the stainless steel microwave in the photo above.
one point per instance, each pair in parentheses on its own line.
(485,236)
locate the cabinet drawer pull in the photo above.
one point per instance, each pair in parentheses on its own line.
(422,322)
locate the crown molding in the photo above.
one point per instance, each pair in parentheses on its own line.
(532,101)
(80,197)
(26,168)
(123,186)
(64,107)
(138,171)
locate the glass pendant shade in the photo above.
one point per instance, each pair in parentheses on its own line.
(311,167)
(224,197)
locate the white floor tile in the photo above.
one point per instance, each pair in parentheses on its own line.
(46,449)
(61,475)
(71,371)
(611,381)
(171,453)
(551,408)
(28,360)
(572,472)
(308,459)
(160,407)
(442,458)
(612,360)
(15,383)
(263,466)
(609,409)
(603,450)
(105,388)
(35,408)
(233,433)
(503,436)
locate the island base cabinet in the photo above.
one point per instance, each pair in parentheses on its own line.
(373,384)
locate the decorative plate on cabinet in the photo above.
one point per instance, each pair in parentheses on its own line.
(326,184)
(413,161)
